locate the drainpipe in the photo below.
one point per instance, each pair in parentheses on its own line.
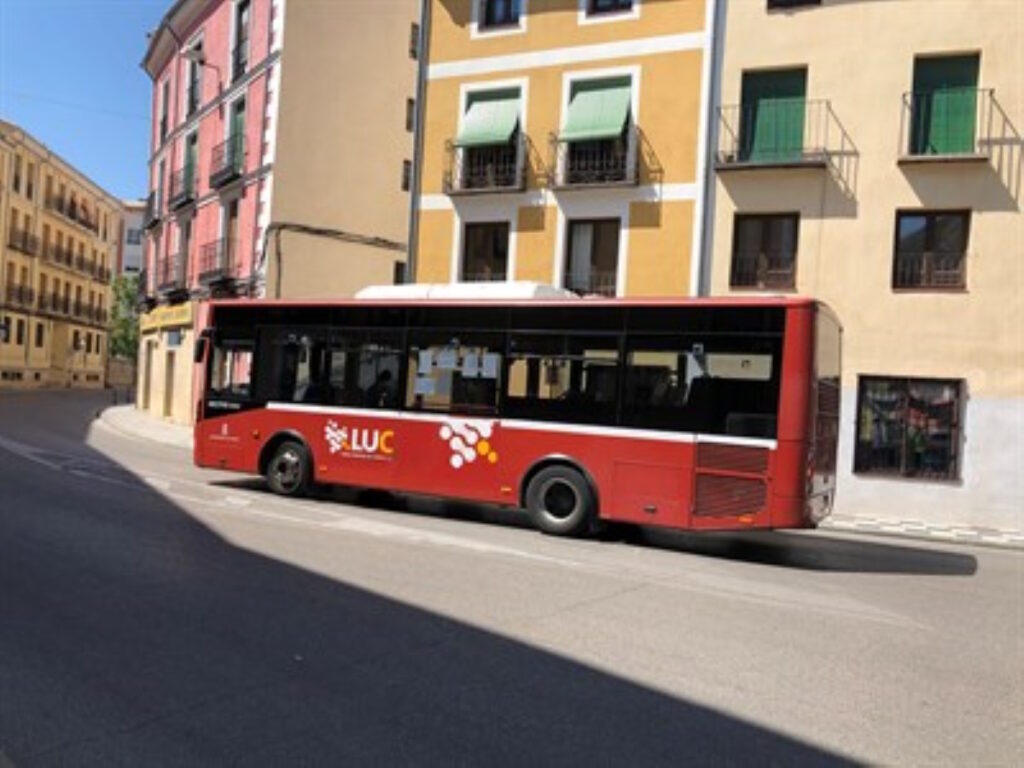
(417,152)
(711,98)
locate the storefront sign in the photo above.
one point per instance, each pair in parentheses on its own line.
(174,315)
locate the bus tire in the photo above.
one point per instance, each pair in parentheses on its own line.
(561,502)
(289,469)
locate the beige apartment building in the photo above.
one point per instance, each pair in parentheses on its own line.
(281,143)
(869,154)
(59,238)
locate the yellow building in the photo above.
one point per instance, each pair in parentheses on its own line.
(869,154)
(562,142)
(59,242)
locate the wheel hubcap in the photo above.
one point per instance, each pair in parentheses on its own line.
(559,498)
(287,470)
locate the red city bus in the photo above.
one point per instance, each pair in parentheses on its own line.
(709,414)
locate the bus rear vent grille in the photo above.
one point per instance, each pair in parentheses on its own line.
(732,458)
(718,495)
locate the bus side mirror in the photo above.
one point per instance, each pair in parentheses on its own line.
(200,352)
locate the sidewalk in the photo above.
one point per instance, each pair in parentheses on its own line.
(134,423)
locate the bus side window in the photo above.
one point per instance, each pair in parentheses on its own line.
(364,369)
(231,369)
(454,373)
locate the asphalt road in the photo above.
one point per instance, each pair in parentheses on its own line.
(152,614)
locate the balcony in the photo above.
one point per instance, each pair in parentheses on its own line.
(218,262)
(947,125)
(183,188)
(239,60)
(144,296)
(73,211)
(16,295)
(930,270)
(597,283)
(151,217)
(595,162)
(780,133)
(763,271)
(24,241)
(58,255)
(493,168)
(227,161)
(172,280)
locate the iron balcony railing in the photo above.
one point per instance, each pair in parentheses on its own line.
(171,276)
(947,124)
(19,295)
(493,168)
(183,187)
(59,255)
(934,270)
(152,214)
(218,261)
(73,211)
(763,271)
(239,59)
(602,162)
(227,160)
(780,132)
(599,282)
(23,240)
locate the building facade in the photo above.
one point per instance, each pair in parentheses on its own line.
(887,182)
(275,168)
(129,255)
(562,142)
(59,244)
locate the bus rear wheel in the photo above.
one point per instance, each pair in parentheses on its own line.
(561,502)
(288,470)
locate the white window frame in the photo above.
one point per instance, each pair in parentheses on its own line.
(477,32)
(584,17)
(501,212)
(232,39)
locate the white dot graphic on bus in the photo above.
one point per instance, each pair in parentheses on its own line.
(468,441)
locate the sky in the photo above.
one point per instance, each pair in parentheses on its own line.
(70,76)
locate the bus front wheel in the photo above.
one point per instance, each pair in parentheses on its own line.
(288,470)
(560,501)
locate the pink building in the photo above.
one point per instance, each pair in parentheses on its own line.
(215,70)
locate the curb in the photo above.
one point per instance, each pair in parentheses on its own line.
(914,529)
(102,414)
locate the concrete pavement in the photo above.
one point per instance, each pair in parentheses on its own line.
(158,614)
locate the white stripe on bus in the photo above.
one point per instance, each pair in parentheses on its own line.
(523,424)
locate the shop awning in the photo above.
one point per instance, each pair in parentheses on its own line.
(489,121)
(597,112)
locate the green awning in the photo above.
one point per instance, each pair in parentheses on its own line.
(597,112)
(489,121)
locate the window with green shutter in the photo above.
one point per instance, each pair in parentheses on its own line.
(773,106)
(944,105)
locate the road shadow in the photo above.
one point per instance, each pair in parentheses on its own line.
(133,634)
(812,551)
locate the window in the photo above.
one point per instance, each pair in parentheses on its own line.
(608,6)
(764,251)
(944,105)
(908,427)
(5,330)
(773,4)
(592,260)
(772,109)
(715,384)
(930,250)
(410,114)
(231,369)
(414,41)
(20,339)
(499,13)
(88,343)
(133,236)
(454,372)
(165,99)
(406,175)
(240,55)
(485,251)
(30,173)
(596,144)
(487,146)
(17,174)
(364,368)
(193,94)
(76,341)
(572,378)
